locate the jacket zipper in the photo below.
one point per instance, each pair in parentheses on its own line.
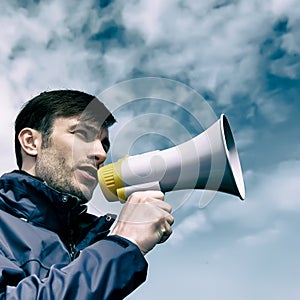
(71,244)
(72,249)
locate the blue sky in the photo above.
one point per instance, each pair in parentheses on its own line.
(243,58)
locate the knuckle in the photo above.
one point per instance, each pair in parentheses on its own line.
(137,197)
(169,207)
(160,195)
(172,221)
(160,220)
(132,197)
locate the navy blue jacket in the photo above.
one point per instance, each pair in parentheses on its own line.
(51,248)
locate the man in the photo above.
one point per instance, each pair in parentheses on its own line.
(50,247)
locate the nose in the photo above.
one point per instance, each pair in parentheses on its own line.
(98,154)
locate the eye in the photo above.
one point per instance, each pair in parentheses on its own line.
(81,133)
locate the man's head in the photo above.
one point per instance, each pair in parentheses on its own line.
(62,137)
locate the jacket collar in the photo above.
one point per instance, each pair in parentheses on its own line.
(28,197)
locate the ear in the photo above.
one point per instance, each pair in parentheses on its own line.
(30,140)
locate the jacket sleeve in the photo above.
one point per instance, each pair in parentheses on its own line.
(109,269)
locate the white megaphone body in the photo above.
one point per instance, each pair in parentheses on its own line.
(208,161)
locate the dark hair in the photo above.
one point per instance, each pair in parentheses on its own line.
(40,112)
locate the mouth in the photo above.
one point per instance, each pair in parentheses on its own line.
(88,172)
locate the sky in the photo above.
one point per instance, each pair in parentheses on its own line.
(168,69)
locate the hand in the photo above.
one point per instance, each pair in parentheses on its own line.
(145,219)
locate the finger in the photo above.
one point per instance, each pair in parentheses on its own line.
(165,233)
(154,211)
(155,194)
(160,204)
(170,219)
(146,195)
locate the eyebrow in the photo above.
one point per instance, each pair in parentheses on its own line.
(92,128)
(95,130)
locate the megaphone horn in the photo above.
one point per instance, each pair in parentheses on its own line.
(208,161)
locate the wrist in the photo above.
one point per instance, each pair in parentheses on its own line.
(131,240)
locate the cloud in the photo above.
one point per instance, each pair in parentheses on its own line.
(196,223)
(218,48)
(270,197)
(46,46)
(276,191)
(251,244)
(243,57)
(262,237)
(7,114)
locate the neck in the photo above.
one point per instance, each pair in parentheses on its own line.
(29,167)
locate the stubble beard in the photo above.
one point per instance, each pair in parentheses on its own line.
(53,169)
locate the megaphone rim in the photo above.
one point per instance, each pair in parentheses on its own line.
(232,156)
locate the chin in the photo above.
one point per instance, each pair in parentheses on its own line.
(86,193)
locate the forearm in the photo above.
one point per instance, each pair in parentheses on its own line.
(110,269)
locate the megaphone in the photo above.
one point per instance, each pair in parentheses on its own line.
(208,161)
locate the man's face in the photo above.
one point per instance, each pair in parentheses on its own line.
(69,163)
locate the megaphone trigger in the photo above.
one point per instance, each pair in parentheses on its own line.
(125,192)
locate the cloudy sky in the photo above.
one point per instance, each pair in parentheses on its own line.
(242,56)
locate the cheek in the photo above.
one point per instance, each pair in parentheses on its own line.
(71,148)
(80,151)
(64,150)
